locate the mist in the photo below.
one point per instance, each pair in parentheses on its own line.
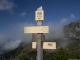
(16,36)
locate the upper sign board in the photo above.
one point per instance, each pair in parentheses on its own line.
(46,45)
(36,29)
(39,14)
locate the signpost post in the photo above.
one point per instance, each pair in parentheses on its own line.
(39,18)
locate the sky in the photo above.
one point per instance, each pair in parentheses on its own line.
(15,14)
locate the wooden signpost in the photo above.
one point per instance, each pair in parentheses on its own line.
(39,30)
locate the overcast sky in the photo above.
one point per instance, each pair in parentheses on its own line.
(15,14)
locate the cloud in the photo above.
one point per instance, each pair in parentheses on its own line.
(2,39)
(6,5)
(64,20)
(11,45)
(72,15)
(56,30)
(23,14)
(13,38)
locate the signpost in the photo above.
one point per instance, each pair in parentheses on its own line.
(39,30)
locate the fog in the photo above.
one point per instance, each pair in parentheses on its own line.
(16,36)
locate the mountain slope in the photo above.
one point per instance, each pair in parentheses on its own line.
(73,29)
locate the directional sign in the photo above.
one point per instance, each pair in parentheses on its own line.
(36,29)
(34,45)
(46,45)
(49,45)
(39,15)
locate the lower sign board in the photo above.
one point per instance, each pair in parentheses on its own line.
(34,45)
(46,45)
(36,29)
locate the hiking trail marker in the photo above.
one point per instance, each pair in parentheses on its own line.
(39,14)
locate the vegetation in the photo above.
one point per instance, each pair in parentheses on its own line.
(61,54)
(23,57)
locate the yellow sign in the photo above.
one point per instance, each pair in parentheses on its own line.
(36,29)
(49,45)
(34,45)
